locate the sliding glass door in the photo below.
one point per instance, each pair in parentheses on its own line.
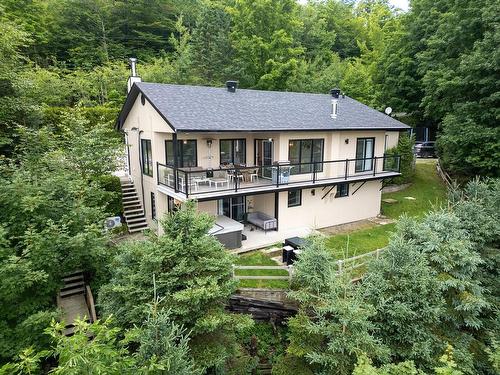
(264,156)
(365,148)
(234,207)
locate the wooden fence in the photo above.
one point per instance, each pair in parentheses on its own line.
(357,261)
(343,265)
(288,269)
(444,176)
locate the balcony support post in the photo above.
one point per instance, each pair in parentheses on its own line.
(235,179)
(176,162)
(374,166)
(276,209)
(346,167)
(278,176)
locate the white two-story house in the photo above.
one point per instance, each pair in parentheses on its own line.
(266,164)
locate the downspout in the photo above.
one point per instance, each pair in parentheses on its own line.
(141,163)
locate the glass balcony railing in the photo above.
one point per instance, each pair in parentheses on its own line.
(193,181)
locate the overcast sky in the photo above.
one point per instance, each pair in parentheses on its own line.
(403,4)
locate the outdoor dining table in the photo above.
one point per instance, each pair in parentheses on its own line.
(247,173)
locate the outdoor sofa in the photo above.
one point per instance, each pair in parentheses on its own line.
(262,220)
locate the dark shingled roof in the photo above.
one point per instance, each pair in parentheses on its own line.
(201,108)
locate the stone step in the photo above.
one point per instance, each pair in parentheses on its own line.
(273,252)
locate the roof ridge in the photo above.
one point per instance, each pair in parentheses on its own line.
(238,89)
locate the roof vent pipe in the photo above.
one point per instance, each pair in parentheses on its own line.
(133,74)
(335,102)
(231,86)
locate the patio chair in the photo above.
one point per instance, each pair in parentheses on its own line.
(254,175)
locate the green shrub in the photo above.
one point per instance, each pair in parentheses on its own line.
(265,341)
(407,163)
(290,364)
(112,185)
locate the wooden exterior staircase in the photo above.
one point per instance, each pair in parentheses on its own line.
(76,301)
(133,212)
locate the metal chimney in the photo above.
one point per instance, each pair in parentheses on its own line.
(133,62)
(231,86)
(335,102)
(133,74)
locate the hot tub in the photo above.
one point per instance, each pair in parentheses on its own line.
(227,231)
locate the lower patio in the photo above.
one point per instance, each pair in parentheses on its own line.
(258,239)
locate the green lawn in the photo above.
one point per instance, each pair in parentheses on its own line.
(257,258)
(360,241)
(428,191)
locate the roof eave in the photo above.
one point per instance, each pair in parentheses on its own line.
(129,103)
(288,130)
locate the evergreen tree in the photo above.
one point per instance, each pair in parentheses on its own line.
(212,51)
(193,278)
(333,323)
(404,290)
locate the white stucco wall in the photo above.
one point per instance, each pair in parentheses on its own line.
(314,211)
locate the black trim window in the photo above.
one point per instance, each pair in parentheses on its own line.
(147,157)
(294,198)
(342,190)
(187,153)
(365,150)
(153,206)
(233,151)
(305,152)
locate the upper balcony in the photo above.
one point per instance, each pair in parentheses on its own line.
(200,183)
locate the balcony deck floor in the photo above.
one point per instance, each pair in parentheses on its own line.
(261,185)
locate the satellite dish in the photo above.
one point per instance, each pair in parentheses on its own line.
(388,110)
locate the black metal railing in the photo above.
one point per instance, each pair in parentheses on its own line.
(197,180)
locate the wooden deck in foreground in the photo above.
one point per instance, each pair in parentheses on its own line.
(76,301)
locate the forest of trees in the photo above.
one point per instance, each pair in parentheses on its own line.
(63,73)
(436,65)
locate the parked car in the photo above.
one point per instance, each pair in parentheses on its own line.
(425,150)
